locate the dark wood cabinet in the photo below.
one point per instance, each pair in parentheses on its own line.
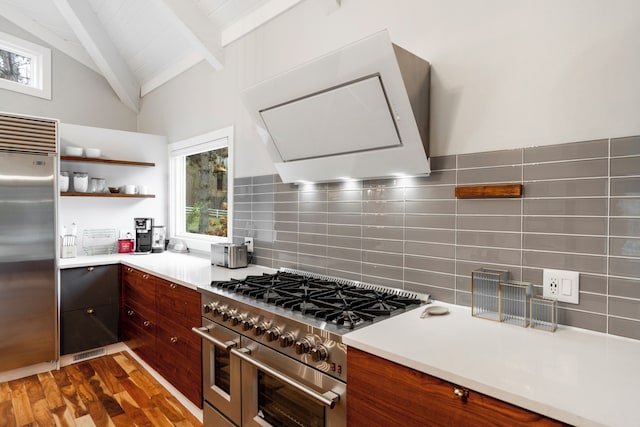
(88,308)
(157,317)
(384,393)
(138,326)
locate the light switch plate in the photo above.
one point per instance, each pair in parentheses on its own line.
(561,285)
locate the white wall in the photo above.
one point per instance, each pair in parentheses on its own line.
(116,213)
(79,94)
(505,73)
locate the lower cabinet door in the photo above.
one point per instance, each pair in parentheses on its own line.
(139,333)
(88,328)
(179,355)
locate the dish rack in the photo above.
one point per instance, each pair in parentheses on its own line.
(99,241)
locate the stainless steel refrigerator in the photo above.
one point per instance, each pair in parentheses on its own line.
(28,276)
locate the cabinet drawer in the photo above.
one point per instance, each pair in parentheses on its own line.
(172,335)
(88,286)
(181,365)
(181,302)
(139,318)
(383,393)
(88,328)
(141,293)
(139,334)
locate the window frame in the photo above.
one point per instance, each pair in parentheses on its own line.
(40,66)
(177,212)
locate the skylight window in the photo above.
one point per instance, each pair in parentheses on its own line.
(25,67)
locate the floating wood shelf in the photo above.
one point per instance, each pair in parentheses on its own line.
(122,195)
(101,160)
(489,191)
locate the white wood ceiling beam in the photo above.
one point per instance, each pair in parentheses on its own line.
(89,30)
(172,70)
(74,50)
(255,19)
(199,29)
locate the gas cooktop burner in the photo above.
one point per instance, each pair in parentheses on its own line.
(340,302)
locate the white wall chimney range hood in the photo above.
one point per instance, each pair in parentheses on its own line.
(359,112)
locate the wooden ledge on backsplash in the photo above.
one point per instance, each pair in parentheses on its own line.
(488,191)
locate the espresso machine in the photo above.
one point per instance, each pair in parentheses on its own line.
(144,235)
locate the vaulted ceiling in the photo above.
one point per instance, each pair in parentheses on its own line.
(138,45)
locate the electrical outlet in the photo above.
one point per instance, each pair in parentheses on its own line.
(561,285)
(249,242)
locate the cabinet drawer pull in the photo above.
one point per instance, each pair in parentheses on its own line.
(146,323)
(174,339)
(91,311)
(90,269)
(145,276)
(461,393)
(129,269)
(130,312)
(173,286)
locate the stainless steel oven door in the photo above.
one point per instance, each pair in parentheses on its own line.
(220,372)
(280,391)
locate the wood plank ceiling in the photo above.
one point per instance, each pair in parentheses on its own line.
(140,45)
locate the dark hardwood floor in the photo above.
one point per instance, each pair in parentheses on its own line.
(113,390)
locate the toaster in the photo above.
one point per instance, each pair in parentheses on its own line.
(229,255)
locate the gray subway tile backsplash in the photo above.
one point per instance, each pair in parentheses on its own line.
(629,146)
(566,225)
(629,288)
(489,207)
(626,186)
(568,188)
(570,151)
(624,327)
(443,162)
(489,239)
(560,207)
(490,175)
(492,158)
(412,233)
(565,170)
(625,166)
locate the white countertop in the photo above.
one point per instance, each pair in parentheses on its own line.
(187,270)
(573,375)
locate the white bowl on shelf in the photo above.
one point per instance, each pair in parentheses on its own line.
(73,151)
(92,152)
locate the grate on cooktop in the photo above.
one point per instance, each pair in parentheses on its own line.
(344,303)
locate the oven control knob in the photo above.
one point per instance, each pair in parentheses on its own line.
(219,309)
(319,353)
(303,346)
(207,308)
(247,324)
(238,319)
(273,334)
(287,339)
(228,314)
(260,328)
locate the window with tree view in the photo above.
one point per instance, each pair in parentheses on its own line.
(24,66)
(201,185)
(14,67)
(206,192)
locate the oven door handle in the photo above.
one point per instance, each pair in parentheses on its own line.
(327,399)
(203,332)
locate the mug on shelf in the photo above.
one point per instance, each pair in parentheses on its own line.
(143,189)
(129,189)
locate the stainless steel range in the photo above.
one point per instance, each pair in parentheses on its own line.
(272,346)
